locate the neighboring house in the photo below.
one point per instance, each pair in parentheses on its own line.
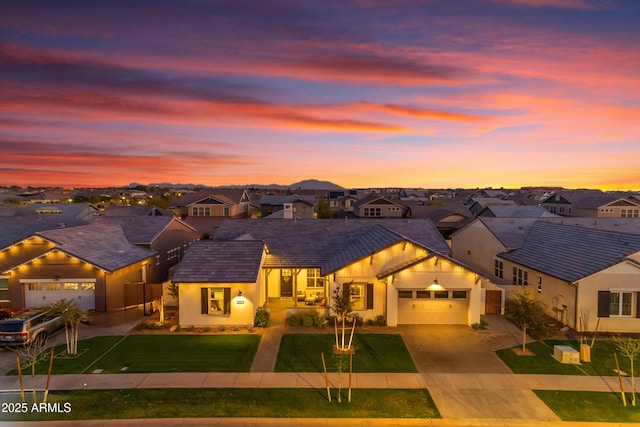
(145,210)
(389,266)
(93,265)
(477,204)
(515,212)
(627,207)
(577,203)
(214,202)
(291,206)
(168,236)
(219,283)
(486,244)
(447,216)
(342,201)
(586,278)
(61,212)
(376,206)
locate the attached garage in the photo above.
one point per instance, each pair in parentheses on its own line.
(420,307)
(43,292)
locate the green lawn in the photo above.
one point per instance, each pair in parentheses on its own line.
(373,353)
(160,353)
(210,403)
(590,406)
(602,361)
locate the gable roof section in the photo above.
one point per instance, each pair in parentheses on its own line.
(234,196)
(102,245)
(375,199)
(329,244)
(143,230)
(571,253)
(14,229)
(516,211)
(208,261)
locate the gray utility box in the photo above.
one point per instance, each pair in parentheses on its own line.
(566,354)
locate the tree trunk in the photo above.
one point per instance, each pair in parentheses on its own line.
(524,337)
(33,379)
(633,385)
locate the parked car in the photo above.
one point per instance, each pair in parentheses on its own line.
(28,326)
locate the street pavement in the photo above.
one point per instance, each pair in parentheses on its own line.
(467,381)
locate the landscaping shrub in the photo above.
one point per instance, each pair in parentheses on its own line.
(379,320)
(359,319)
(294,320)
(369,322)
(262,318)
(307,320)
(480,325)
(318,319)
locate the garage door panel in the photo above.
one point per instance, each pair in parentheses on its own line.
(416,311)
(37,294)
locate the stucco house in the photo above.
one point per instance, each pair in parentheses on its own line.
(219,283)
(549,257)
(91,264)
(397,269)
(376,206)
(214,202)
(585,277)
(625,207)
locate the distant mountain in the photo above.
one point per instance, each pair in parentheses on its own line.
(307,184)
(314,184)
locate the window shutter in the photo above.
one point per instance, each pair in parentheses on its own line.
(204,300)
(604,298)
(638,304)
(227,300)
(369,296)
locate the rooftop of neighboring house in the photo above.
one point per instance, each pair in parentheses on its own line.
(570,252)
(512,232)
(142,230)
(233,196)
(13,229)
(208,261)
(62,211)
(281,199)
(144,210)
(330,244)
(101,244)
(515,212)
(376,199)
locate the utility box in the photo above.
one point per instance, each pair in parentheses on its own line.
(566,354)
(585,352)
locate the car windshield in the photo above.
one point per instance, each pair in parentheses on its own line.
(9,326)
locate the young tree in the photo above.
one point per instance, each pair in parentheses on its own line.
(341,306)
(32,352)
(72,315)
(525,313)
(630,348)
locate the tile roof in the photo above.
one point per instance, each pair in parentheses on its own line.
(232,195)
(329,244)
(208,261)
(571,253)
(16,228)
(103,245)
(140,230)
(534,211)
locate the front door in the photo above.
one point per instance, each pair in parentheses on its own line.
(493,302)
(286,283)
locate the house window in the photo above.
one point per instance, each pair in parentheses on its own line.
(201,211)
(216,301)
(520,276)
(225,211)
(441,294)
(360,295)
(620,303)
(54,286)
(423,294)
(372,212)
(405,294)
(498,267)
(4,289)
(314,280)
(629,213)
(88,286)
(173,253)
(34,286)
(459,294)
(71,286)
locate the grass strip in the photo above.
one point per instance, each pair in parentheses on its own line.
(589,406)
(158,353)
(602,361)
(213,403)
(373,353)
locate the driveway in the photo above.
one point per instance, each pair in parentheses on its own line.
(459,348)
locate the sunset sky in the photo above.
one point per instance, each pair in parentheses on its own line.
(362,93)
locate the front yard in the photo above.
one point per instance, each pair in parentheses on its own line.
(602,361)
(373,353)
(158,353)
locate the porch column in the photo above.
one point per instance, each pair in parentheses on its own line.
(295,286)
(266,286)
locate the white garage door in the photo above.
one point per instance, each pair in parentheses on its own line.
(427,307)
(38,293)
